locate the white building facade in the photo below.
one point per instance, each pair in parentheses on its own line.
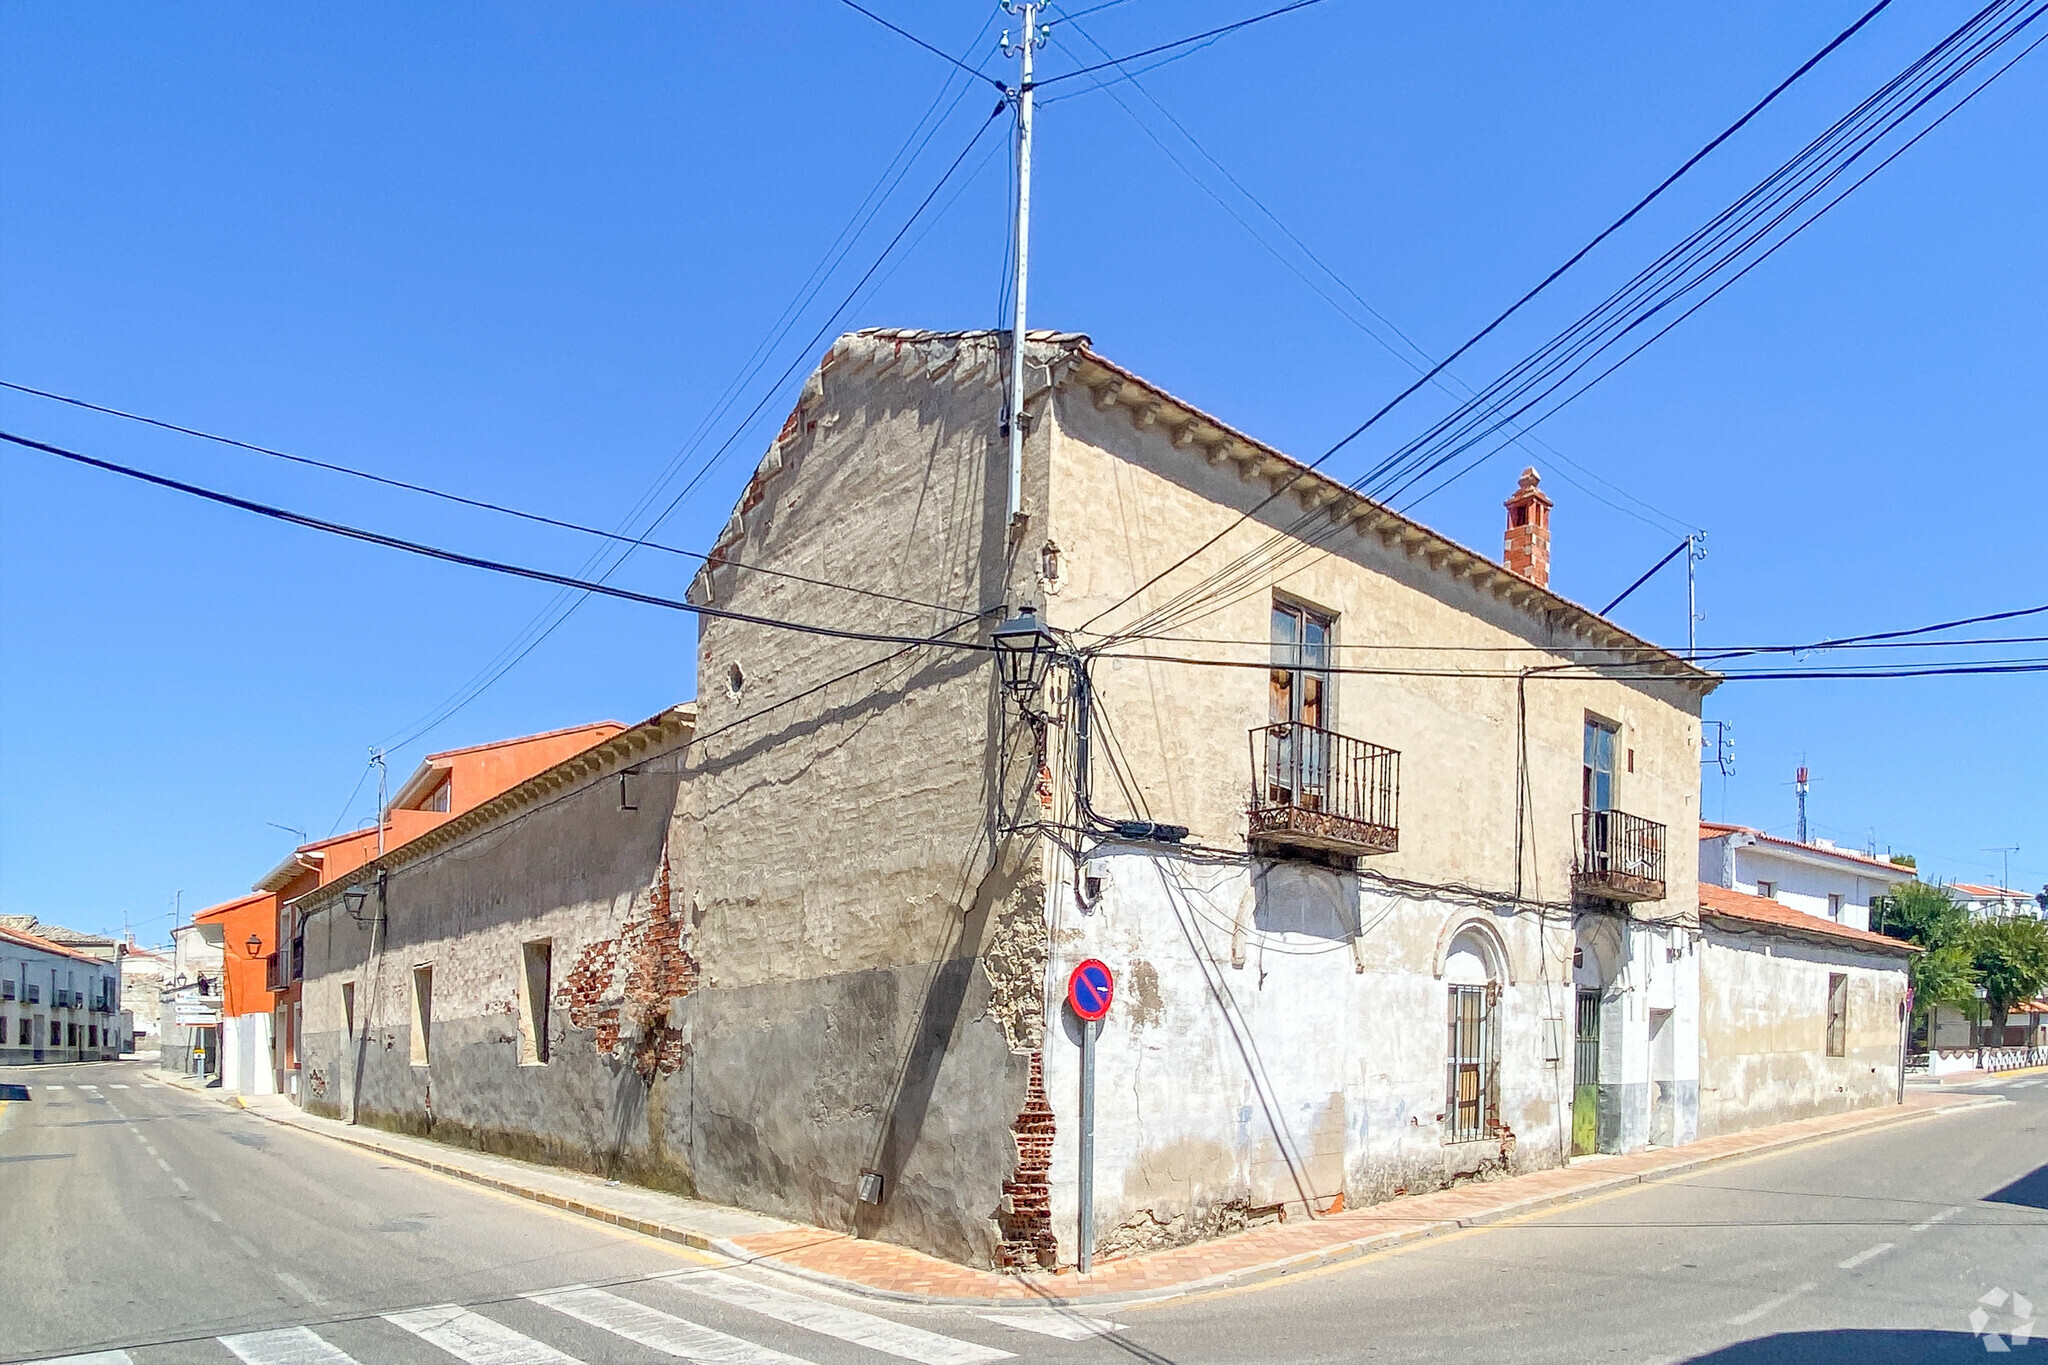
(57,1004)
(1817,878)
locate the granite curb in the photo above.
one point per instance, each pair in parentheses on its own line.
(1333,1254)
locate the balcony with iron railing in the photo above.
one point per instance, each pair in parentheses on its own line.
(273,972)
(1620,857)
(1316,789)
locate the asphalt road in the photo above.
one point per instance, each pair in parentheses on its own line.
(145,1225)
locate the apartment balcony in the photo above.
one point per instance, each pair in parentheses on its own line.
(1317,789)
(273,972)
(1620,857)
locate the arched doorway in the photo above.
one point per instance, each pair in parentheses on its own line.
(1473,971)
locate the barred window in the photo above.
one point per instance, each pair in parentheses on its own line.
(1472,1065)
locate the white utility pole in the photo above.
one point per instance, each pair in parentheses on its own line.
(377,757)
(1033,37)
(1695,551)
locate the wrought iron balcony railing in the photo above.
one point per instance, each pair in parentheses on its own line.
(1314,788)
(273,972)
(1620,857)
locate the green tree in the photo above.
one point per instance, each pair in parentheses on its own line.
(1946,973)
(2009,958)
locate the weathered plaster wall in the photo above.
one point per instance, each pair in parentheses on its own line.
(1300,1062)
(576,870)
(1128,502)
(1763,1031)
(871,936)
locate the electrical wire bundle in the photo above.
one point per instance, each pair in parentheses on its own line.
(1688,275)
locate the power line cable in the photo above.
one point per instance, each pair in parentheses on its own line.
(942,56)
(459,499)
(1515,307)
(1960,50)
(426,551)
(1182,42)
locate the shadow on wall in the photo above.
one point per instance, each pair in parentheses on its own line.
(1865,1348)
(2030,1190)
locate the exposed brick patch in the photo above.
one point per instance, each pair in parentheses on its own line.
(659,969)
(1026,1217)
(583,993)
(630,1016)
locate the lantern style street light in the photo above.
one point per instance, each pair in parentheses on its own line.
(1024,653)
(254,945)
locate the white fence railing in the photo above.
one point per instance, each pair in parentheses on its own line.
(1949,1061)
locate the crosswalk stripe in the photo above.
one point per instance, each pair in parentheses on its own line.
(117,1087)
(1051,1323)
(286,1346)
(475,1338)
(662,1331)
(832,1320)
(90,1358)
(2022,1085)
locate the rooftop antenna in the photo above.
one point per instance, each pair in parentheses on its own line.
(1799,783)
(2005,864)
(1034,35)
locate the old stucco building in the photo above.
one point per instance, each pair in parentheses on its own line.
(1375,832)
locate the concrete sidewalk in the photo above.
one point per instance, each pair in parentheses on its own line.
(885,1271)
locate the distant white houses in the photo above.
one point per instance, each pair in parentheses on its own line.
(1818,878)
(57,1003)
(1994,902)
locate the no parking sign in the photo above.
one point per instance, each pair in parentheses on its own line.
(1090,989)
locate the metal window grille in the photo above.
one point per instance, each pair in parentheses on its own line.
(1838,1013)
(1472,1101)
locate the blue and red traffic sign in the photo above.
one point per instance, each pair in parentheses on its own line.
(1090,989)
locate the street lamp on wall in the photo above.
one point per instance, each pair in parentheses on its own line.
(1024,648)
(353,898)
(254,945)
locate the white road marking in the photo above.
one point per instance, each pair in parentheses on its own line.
(1051,1323)
(1867,1254)
(88,1087)
(246,1247)
(299,1287)
(286,1346)
(59,1087)
(161,1162)
(208,1212)
(117,1087)
(180,1183)
(2022,1085)
(1943,1216)
(847,1324)
(91,1358)
(664,1332)
(1768,1304)
(476,1339)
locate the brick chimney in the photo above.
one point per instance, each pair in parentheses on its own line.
(1527,550)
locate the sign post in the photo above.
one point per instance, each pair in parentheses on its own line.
(1089,990)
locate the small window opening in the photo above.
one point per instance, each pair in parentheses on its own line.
(1768,890)
(440,799)
(626,801)
(1834,905)
(348,1009)
(735,682)
(422,1014)
(536,969)
(1838,1014)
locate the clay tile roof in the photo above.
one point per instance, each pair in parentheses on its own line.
(1713,829)
(27,940)
(1723,903)
(1980,892)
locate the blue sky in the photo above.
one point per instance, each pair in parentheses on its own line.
(520,252)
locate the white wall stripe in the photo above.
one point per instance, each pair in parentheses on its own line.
(476,1339)
(1053,1323)
(286,1346)
(662,1331)
(833,1320)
